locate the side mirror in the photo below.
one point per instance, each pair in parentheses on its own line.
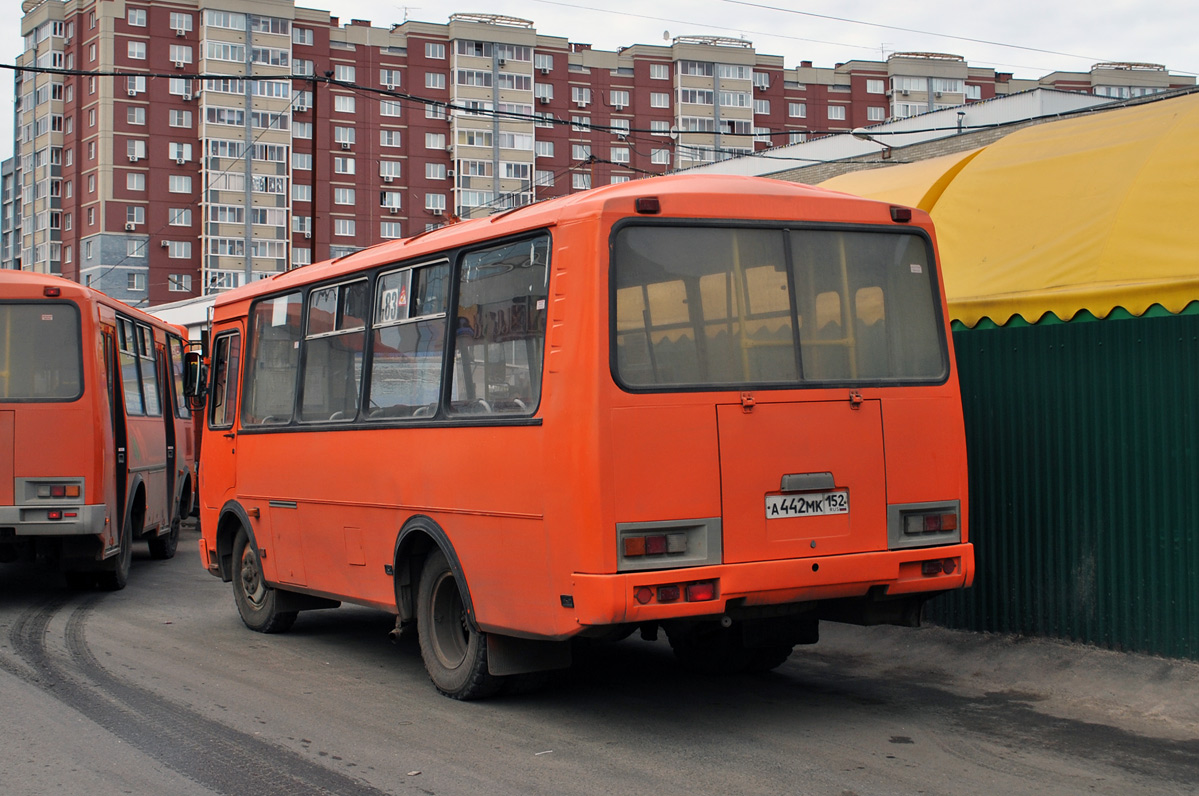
(195,376)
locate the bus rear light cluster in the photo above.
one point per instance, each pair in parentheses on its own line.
(698,592)
(938,566)
(656,544)
(916,524)
(58,491)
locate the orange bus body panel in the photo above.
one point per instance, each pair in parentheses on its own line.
(532,511)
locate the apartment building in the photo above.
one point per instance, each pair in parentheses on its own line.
(169,148)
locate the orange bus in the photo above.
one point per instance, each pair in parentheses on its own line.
(722,408)
(96,440)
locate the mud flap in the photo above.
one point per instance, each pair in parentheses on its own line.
(510,655)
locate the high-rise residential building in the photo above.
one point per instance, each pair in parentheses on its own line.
(167,148)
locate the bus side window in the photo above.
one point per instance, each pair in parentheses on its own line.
(273,362)
(226,353)
(149,370)
(130,379)
(333,349)
(499,334)
(408,342)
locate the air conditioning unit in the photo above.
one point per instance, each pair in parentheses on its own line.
(449,147)
(301,108)
(133,92)
(936,93)
(180,64)
(166,244)
(129,226)
(450,173)
(618,107)
(187,97)
(180,32)
(180,161)
(388,178)
(503,63)
(581,103)
(545,70)
(391,87)
(436,211)
(345,144)
(904,92)
(393,210)
(544,100)
(308,235)
(134,158)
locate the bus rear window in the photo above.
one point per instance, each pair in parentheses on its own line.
(40,357)
(727,307)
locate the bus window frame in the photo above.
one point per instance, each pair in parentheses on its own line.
(306,336)
(79,330)
(784,228)
(453,256)
(215,370)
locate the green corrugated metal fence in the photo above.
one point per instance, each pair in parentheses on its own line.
(1083,442)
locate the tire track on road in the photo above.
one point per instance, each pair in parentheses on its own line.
(218,757)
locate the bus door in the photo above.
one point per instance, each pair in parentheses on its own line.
(219,463)
(116,487)
(168,416)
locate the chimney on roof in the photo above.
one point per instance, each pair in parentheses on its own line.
(805,64)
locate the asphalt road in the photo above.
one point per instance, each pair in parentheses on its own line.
(159,689)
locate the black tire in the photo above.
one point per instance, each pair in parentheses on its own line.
(164,546)
(453,649)
(115,574)
(256,600)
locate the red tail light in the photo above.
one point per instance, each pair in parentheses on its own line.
(701,592)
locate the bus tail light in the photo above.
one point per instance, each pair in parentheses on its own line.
(657,544)
(916,524)
(58,491)
(939,566)
(697,592)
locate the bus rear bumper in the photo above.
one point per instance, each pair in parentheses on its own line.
(52,520)
(635,597)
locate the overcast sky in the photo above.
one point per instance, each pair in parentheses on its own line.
(1024,37)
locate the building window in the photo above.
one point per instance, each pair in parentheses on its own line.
(135,181)
(797,138)
(180,250)
(179,216)
(660,157)
(435,171)
(620,154)
(137,17)
(876,114)
(135,248)
(435,201)
(659,71)
(762,106)
(179,183)
(343,196)
(180,119)
(544,178)
(390,169)
(181,22)
(619,99)
(301,192)
(797,110)
(343,227)
(580,123)
(544,149)
(836,113)
(580,95)
(389,138)
(135,282)
(389,78)
(393,108)
(343,103)
(580,151)
(344,72)
(302,36)
(343,165)
(181,54)
(435,141)
(580,181)
(344,135)
(659,99)
(543,62)
(435,50)
(301,161)
(434,80)
(179,283)
(135,114)
(135,214)
(389,230)
(137,50)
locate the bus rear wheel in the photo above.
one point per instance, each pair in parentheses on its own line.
(256,601)
(164,546)
(453,649)
(115,574)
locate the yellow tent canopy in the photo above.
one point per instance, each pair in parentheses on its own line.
(1090,213)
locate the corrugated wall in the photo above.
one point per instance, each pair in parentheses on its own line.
(1083,442)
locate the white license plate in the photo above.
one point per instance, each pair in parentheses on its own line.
(807,504)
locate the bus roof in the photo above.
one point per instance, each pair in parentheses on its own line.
(28,285)
(680,196)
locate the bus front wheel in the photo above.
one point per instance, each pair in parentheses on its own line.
(256,601)
(454,651)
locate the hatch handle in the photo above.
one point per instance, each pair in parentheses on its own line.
(807,482)
(747,402)
(855,399)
